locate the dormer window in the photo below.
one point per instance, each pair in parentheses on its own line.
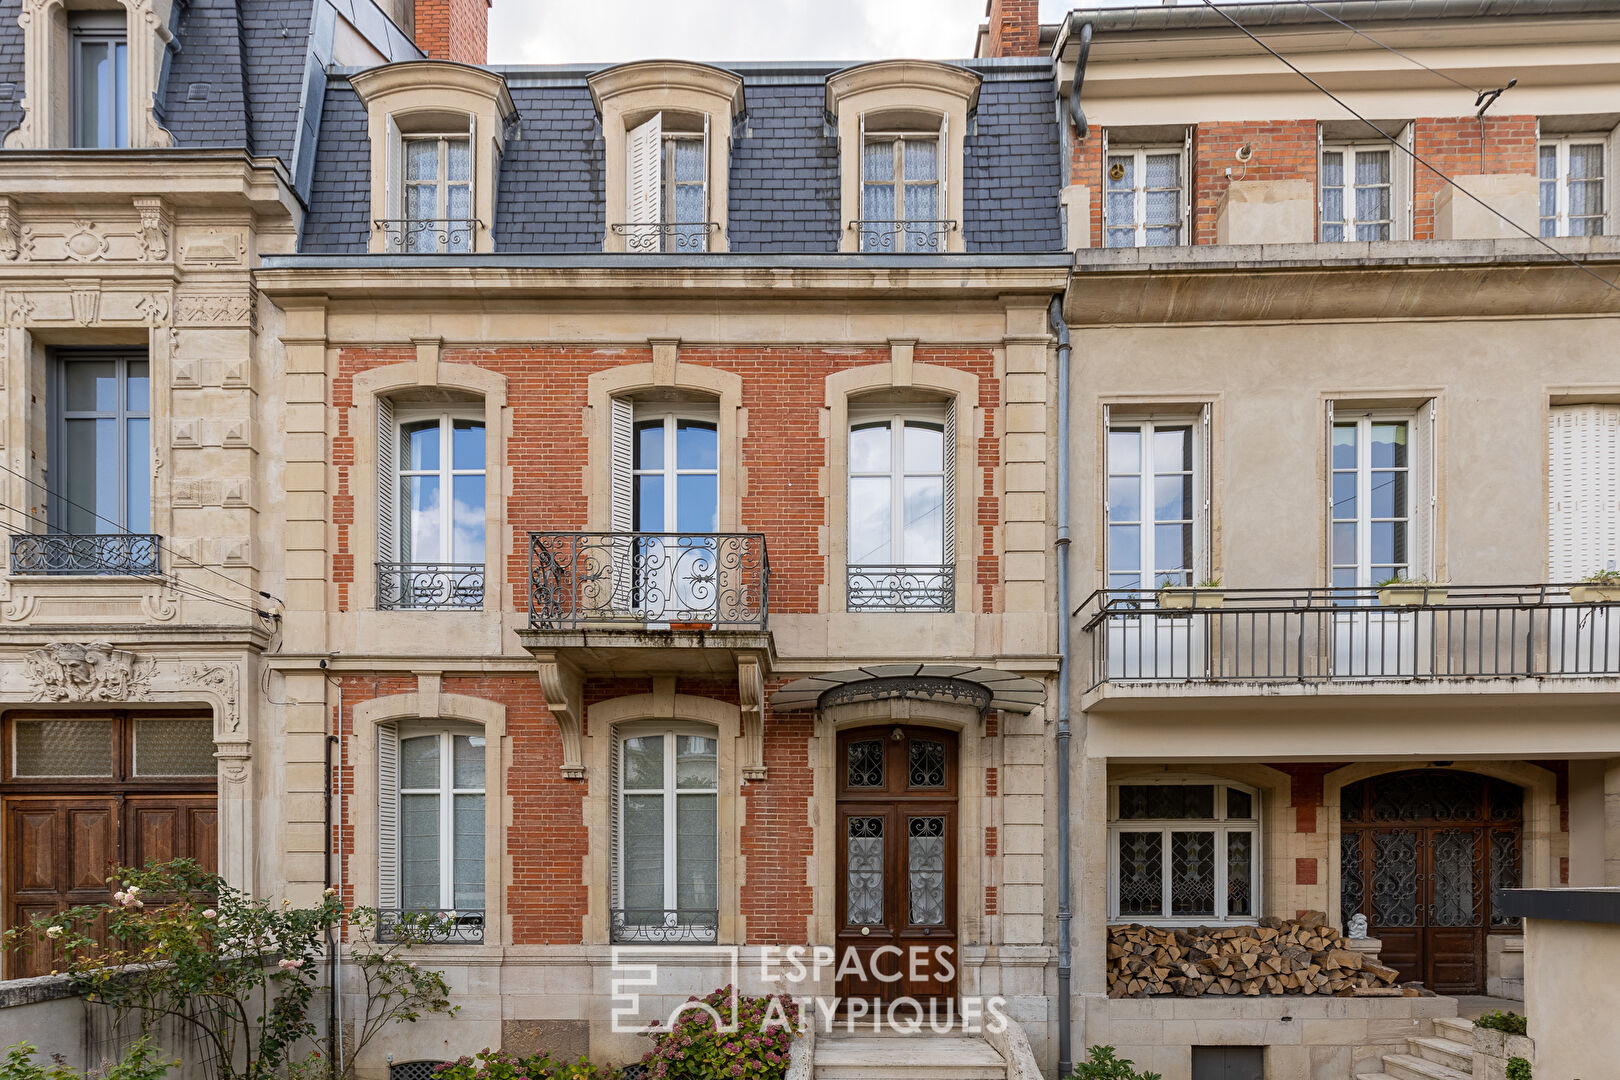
(98,46)
(667,190)
(438,194)
(901,184)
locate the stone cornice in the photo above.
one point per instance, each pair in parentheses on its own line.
(655,78)
(219,179)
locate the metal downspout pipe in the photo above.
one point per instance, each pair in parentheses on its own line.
(1061,552)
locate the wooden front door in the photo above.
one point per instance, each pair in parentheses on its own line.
(1423,855)
(897,859)
(83,794)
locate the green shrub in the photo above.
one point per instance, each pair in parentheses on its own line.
(1518,1069)
(1510,1022)
(758,1049)
(1101,1064)
(495,1065)
(140,1062)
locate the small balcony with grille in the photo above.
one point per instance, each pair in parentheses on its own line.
(889,237)
(85,555)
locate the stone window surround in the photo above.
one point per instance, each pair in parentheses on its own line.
(958,390)
(423,373)
(1126,408)
(664,704)
(627,95)
(47,71)
(696,381)
(415,96)
(900,86)
(428,704)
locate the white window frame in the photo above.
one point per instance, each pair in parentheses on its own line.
(447,237)
(1148,423)
(670,417)
(1363,421)
(1350,223)
(899,184)
(108,28)
(446,472)
(650,185)
(1221,825)
(1139,153)
(1562,144)
(670,793)
(446,791)
(898,473)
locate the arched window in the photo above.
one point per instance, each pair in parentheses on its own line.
(901,508)
(431,824)
(431,504)
(1183,850)
(665,857)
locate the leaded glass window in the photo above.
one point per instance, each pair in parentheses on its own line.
(926,868)
(1184,851)
(865,763)
(927,764)
(864,859)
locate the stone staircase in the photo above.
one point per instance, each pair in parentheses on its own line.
(891,1055)
(1448,1054)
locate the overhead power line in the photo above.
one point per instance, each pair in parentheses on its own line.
(1478,93)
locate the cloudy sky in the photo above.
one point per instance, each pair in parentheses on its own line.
(566,31)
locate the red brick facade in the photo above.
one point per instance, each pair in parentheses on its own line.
(1282,150)
(1015,28)
(453,30)
(1464,146)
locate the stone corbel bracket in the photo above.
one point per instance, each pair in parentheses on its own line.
(751,701)
(562,683)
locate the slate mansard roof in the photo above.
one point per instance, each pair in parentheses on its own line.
(784,177)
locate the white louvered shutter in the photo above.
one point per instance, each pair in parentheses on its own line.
(949,548)
(644,177)
(394,187)
(387,817)
(1205,477)
(1102,472)
(1102,190)
(942,167)
(1402,166)
(1421,448)
(1583,512)
(1327,530)
(1186,180)
(615,887)
(1611,183)
(387,483)
(472,182)
(623,423)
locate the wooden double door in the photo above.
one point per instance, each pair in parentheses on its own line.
(63,835)
(897,864)
(1424,855)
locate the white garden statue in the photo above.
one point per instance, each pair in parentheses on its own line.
(1357,927)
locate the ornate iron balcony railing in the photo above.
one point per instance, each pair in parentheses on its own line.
(691,581)
(135,554)
(663,926)
(427,236)
(902,588)
(667,236)
(915,237)
(430,586)
(429,926)
(1408,632)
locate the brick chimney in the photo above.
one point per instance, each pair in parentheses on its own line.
(453,29)
(1015,28)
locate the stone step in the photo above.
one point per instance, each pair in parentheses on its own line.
(1408,1067)
(1455,1028)
(1443,1051)
(1373,1076)
(920,1057)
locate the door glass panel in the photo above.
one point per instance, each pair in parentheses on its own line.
(1456,898)
(1504,873)
(1141,873)
(865,871)
(1394,881)
(1351,887)
(927,764)
(63,748)
(925,868)
(697,503)
(865,763)
(1239,873)
(174,746)
(1192,873)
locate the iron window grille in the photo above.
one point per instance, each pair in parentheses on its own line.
(427,235)
(430,586)
(902,588)
(131,554)
(462,926)
(678,580)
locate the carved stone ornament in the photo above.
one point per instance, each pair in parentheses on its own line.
(89,671)
(156,224)
(561,685)
(1358,926)
(222,679)
(10,233)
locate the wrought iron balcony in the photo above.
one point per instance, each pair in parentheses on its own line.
(1410,633)
(430,586)
(428,926)
(915,237)
(680,581)
(134,554)
(661,926)
(427,236)
(669,236)
(902,588)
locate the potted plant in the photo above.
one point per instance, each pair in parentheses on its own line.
(1206,594)
(1400,591)
(1602,587)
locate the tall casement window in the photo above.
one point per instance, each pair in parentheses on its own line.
(1573,185)
(1156,508)
(1183,851)
(438,193)
(1361,188)
(98,59)
(665,833)
(676,471)
(431,822)
(1145,196)
(667,182)
(902,509)
(431,506)
(902,190)
(1380,503)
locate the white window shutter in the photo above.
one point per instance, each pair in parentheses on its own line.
(1102,190)
(472,181)
(644,177)
(615,879)
(387,816)
(622,480)
(1421,449)
(1327,531)
(942,158)
(706,151)
(949,548)
(1583,512)
(1402,167)
(387,483)
(1319,201)
(394,186)
(1102,471)
(1611,183)
(1185,180)
(1203,475)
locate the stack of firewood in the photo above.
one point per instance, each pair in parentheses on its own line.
(1279,956)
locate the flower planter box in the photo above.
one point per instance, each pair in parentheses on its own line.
(1412,595)
(1183,596)
(1594,594)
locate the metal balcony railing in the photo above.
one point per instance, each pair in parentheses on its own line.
(1416,633)
(427,236)
(902,588)
(664,926)
(135,554)
(690,581)
(667,236)
(430,586)
(915,237)
(428,926)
